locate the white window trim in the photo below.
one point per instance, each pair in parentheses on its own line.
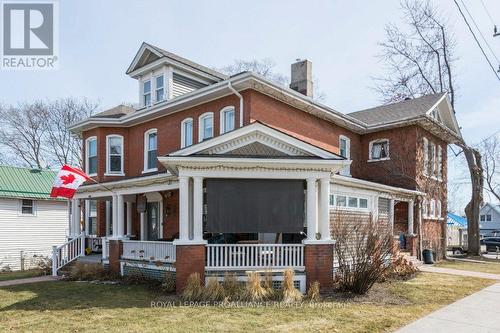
(156,89)
(87,155)
(20,207)
(146,149)
(222,123)
(108,162)
(439,210)
(439,172)
(426,157)
(432,161)
(346,207)
(347,170)
(370,146)
(183,134)
(425,208)
(87,217)
(200,128)
(143,93)
(432,209)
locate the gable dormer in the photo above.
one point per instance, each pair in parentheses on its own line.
(162,75)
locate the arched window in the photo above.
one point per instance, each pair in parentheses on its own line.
(227,119)
(187,132)
(345,151)
(91,156)
(150,150)
(114,155)
(206,126)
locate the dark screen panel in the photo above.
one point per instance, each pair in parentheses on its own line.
(255,205)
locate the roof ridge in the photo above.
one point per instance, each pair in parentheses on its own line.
(398,102)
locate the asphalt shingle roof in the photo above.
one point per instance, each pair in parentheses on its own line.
(397,111)
(25,183)
(116,112)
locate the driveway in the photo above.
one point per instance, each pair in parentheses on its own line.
(478,313)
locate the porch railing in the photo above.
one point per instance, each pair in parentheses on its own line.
(149,251)
(254,256)
(66,253)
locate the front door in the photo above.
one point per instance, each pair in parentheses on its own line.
(153,219)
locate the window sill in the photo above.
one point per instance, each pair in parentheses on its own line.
(92,174)
(150,170)
(107,174)
(379,159)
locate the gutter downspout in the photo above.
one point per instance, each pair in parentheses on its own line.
(241,101)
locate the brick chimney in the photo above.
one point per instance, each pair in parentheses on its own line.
(302,77)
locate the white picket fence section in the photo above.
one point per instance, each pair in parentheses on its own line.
(66,253)
(149,251)
(254,256)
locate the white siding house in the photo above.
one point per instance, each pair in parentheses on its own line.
(30,221)
(489,218)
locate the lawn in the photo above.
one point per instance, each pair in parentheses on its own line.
(471,266)
(80,306)
(19,274)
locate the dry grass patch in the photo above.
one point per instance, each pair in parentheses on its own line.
(493,268)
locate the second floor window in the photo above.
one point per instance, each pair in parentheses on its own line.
(91,162)
(146,93)
(150,149)
(379,149)
(187,132)
(227,120)
(114,154)
(206,129)
(27,207)
(345,151)
(160,88)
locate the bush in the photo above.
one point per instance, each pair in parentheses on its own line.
(313,294)
(88,272)
(290,293)
(233,289)
(401,267)
(254,290)
(213,291)
(193,290)
(168,284)
(363,248)
(43,264)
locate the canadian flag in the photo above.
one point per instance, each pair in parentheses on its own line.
(67,182)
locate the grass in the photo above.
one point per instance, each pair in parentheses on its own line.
(19,274)
(470,266)
(78,306)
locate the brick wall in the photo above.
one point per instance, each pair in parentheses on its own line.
(171,215)
(318,259)
(115,252)
(189,259)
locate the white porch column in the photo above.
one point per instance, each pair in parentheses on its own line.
(198,209)
(311,209)
(76,217)
(129,218)
(108,218)
(120,218)
(114,216)
(184,208)
(410,217)
(391,215)
(143,226)
(324,209)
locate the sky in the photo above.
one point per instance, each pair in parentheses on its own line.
(98,40)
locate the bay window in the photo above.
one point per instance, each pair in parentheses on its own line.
(91,156)
(345,151)
(114,154)
(150,150)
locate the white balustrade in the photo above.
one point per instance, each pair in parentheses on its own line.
(149,251)
(66,253)
(254,256)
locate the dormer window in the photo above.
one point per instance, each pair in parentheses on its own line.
(160,88)
(206,126)
(379,150)
(146,93)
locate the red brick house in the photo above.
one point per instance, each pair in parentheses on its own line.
(215,173)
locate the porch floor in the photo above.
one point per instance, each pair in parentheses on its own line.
(94,258)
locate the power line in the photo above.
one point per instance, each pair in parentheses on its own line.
(474,21)
(477,41)
(488,13)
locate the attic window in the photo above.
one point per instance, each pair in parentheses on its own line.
(146,92)
(435,114)
(379,150)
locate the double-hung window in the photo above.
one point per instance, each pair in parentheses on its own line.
(440,163)
(206,126)
(432,212)
(227,118)
(150,150)
(114,152)
(160,88)
(146,93)
(91,152)
(425,208)
(432,159)
(345,152)
(187,132)
(91,217)
(379,150)
(27,207)
(426,157)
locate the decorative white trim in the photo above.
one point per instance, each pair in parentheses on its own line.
(201,129)
(183,134)
(108,164)
(146,149)
(370,147)
(222,123)
(20,208)
(87,155)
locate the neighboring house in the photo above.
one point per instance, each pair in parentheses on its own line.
(456,231)
(489,218)
(215,173)
(30,221)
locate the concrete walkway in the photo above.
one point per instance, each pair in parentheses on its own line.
(478,313)
(433,269)
(28,280)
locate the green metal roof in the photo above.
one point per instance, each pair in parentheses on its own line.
(25,183)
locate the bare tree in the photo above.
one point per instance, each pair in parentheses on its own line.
(64,147)
(421,61)
(490,150)
(23,133)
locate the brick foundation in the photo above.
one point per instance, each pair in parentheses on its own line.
(189,259)
(411,244)
(318,259)
(115,252)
